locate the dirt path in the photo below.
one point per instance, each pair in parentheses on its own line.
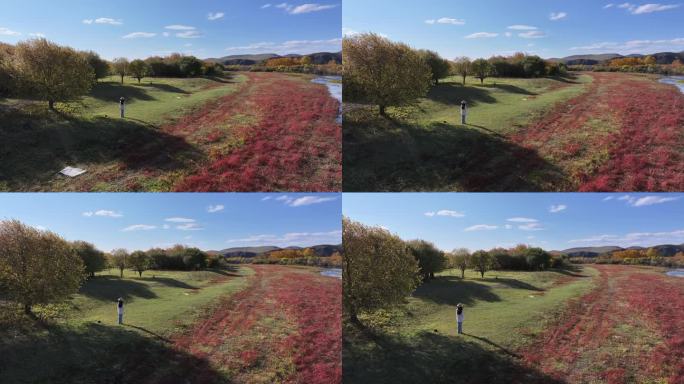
(630,328)
(285,327)
(278,132)
(625,133)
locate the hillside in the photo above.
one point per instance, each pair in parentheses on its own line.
(666,250)
(593,59)
(323,250)
(316,58)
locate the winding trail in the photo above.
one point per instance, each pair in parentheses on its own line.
(625,133)
(629,328)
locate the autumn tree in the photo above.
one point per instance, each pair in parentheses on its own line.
(382,72)
(462,67)
(99,66)
(93,259)
(460,258)
(190,66)
(51,72)
(482,261)
(481,69)
(119,260)
(7,72)
(379,271)
(139,261)
(120,67)
(139,69)
(37,267)
(430,259)
(438,66)
(537,258)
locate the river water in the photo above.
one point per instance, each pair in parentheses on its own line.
(674,80)
(334,84)
(676,273)
(332,272)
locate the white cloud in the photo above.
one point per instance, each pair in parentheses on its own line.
(291,46)
(519,27)
(293,238)
(215,16)
(189,35)
(166,226)
(634,46)
(508,226)
(136,35)
(179,220)
(481,227)
(531,227)
(445,20)
(215,208)
(37,34)
(650,8)
(532,35)
(445,213)
(608,198)
(558,208)
(266,198)
(308,8)
(266,6)
(8,32)
(557,16)
(309,200)
(508,34)
(178,27)
(611,5)
(522,220)
(634,238)
(166,34)
(102,213)
(646,200)
(190,226)
(103,20)
(480,35)
(139,227)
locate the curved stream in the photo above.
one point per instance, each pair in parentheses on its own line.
(674,80)
(676,273)
(332,272)
(334,84)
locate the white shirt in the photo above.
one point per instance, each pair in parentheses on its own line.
(464,111)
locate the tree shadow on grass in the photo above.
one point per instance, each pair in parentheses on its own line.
(169,282)
(225,79)
(386,155)
(113,91)
(106,288)
(509,88)
(513,283)
(453,94)
(165,88)
(36,147)
(375,357)
(571,270)
(94,353)
(155,335)
(452,290)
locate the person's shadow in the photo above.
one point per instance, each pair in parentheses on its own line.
(493,344)
(155,335)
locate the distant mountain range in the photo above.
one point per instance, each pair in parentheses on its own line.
(666,250)
(661,58)
(323,250)
(316,58)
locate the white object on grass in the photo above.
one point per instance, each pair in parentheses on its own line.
(72,172)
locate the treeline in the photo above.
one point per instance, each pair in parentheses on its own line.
(646,64)
(39,267)
(650,256)
(41,70)
(306,256)
(302,64)
(385,73)
(380,269)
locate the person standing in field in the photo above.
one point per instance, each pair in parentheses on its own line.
(119,309)
(122,106)
(464,112)
(459,318)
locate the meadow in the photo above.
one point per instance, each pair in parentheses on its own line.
(240,132)
(582,132)
(603,324)
(239,325)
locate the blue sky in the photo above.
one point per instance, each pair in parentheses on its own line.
(549,28)
(204,28)
(553,221)
(207,221)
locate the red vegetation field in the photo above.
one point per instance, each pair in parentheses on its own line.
(626,133)
(284,327)
(277,133)
(630,328)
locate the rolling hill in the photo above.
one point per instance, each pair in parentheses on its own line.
(666,250)
(323,250)
(593,59)
(316,58)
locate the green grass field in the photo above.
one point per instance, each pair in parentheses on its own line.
(424,147)
(419,341)
(83,343)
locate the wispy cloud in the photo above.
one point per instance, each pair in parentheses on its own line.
(633,239)
(189,35)
(481,35)
(532,35)
(522,220)
(481,227)
(555,16)
(611,5)
(520,27)
(301,9)
(635,9)
(8,32)
(531,227)
(266,6)
(190,227)
(302,201)
(558,208)
(102,213)
(215,16)
(646,200)
(137,35)
(215,208)
(293,238)
(633,46)
(139,227)
(103,20)
(445,20)
(179,27)
(37,34)
(291,46)
(179,220)
(445,213)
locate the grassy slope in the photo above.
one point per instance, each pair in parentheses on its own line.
(503,313)
(87,346)
(425,147)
